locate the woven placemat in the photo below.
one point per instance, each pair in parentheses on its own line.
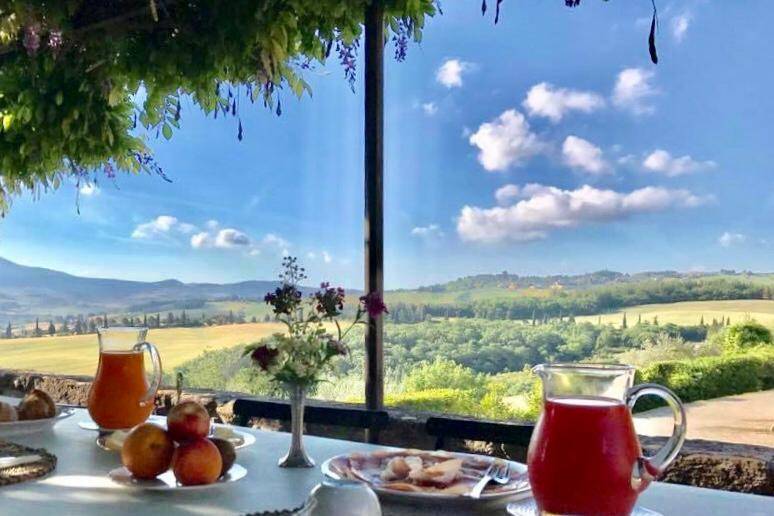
(25,472)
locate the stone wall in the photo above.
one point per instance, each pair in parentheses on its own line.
(716,465)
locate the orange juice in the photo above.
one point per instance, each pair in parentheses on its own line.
(115,398)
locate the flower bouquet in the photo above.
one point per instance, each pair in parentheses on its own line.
(300,358)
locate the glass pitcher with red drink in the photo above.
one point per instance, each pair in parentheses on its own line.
(584,457)
(121,396)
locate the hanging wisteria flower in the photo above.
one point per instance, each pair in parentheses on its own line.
(55,40)
(31,39)
(305,352)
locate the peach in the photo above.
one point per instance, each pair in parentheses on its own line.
(227,453)
(187,421)
(147,451)
(197,462)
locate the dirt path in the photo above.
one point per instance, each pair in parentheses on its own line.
(744,418)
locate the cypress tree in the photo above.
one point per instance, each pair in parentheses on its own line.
(623,323)
(38,333)
(9,331)
(51,328)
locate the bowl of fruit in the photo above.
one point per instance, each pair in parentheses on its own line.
(182,456)
(35,413)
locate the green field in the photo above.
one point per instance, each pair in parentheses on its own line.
(77,354)
(690,312)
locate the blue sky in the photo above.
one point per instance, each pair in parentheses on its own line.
(545,144)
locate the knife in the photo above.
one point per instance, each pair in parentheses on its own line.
(12,462)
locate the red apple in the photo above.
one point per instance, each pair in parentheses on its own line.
(188,421)
(197,462)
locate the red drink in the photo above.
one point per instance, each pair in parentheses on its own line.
(582,456)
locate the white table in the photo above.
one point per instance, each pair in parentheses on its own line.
(80,486)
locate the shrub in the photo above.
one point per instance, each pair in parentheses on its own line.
(746,335)
(710,377)
(443,373)
(454,401)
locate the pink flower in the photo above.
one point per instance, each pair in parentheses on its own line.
(264,356)
(373,304)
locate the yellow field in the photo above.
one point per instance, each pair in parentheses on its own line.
(691,312)
(77,354)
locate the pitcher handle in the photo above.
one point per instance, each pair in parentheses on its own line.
(649,468)
(157,374)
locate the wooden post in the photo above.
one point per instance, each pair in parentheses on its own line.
(374,202)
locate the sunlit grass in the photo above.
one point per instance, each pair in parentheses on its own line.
(77,354)
(691,312)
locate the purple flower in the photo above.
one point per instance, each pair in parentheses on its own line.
(373,304)
(329,301)
(31,40)
(264,356)
(55,40)
(284,299)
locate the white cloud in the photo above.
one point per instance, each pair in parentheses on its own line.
(273,240)
(327,258)
(582,154)
(505,195)
(547,208)
(430,108)
(728,239)
(679,25)
(632,90)
(506,141)
(663,162)
(427,232)
(450,72)
(89,190)
(547,101)
(230,237)
(162,226)
(201,240)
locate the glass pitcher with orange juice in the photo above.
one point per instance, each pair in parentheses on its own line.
(121,396)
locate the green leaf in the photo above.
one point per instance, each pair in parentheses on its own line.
(59,98)
(167,131)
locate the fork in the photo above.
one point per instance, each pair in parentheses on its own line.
(499,472)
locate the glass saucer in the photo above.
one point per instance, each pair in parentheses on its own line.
(527,507)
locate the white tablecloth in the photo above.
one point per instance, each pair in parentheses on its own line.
(80,486)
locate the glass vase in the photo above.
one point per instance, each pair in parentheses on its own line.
(296,456)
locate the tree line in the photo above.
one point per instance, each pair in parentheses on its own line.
(81,325)
(562,304)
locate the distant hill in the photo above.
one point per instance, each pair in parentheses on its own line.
(28,292)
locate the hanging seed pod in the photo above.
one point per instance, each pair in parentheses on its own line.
(177,111)
(652,38)
(279,107)
(240,133)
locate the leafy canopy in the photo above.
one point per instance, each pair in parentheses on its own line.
(81,79)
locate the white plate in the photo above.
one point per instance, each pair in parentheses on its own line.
(529,508)
(489,499)
(242,439)
(32,426)
(167,481)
